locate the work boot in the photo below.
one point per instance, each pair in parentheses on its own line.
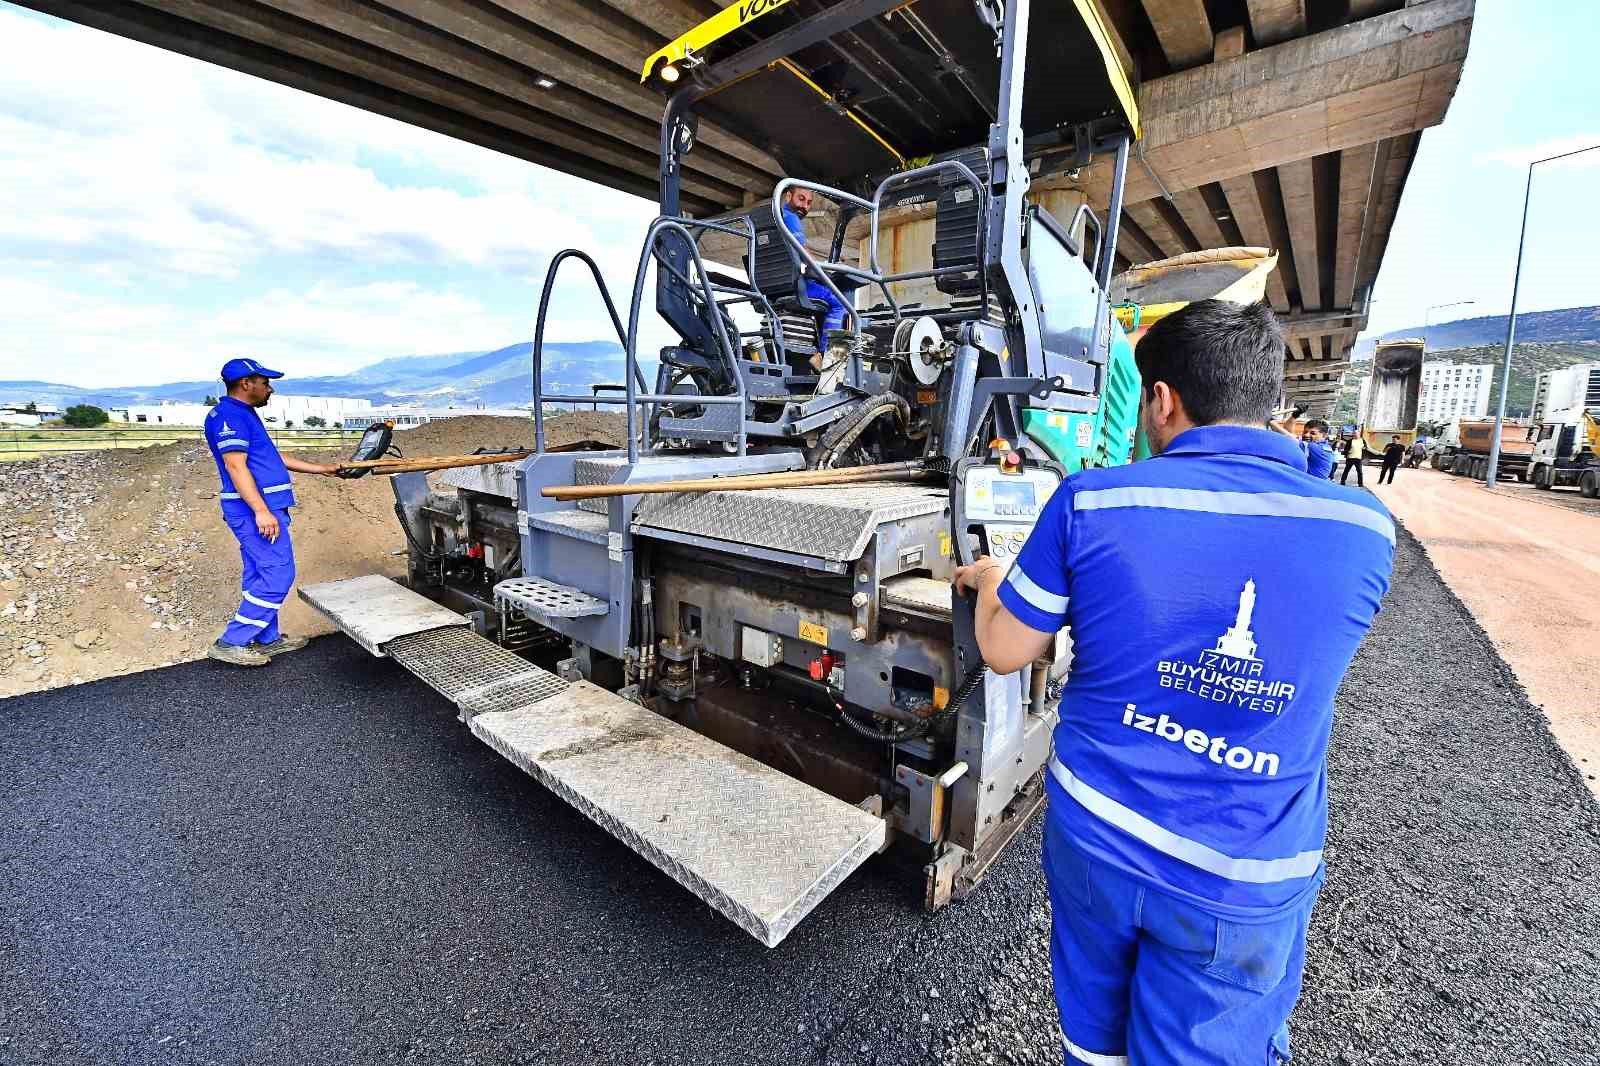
(831,364)
(282,646)
(237,654)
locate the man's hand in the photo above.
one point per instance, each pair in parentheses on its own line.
(970,578)
(267,525)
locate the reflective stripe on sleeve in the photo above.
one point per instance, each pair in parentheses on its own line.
(1029,590)
(1209,859)
(259,602)
(250,621)
(229,441)
(1263,504)
(1093,1058)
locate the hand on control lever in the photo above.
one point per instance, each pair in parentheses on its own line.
(970,578)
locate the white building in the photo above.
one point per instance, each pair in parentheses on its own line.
(1454,390)
(27,414)
(1556,393)
(412,417)
(281,412)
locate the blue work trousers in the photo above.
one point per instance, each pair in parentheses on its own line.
(268,575)
(1144,979)
(836,310)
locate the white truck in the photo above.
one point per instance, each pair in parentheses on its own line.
(1566,437)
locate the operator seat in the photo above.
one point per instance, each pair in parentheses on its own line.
(780,277)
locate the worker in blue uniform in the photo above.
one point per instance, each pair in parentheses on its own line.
(1314,444)
(256,497)
(796,204)
(1188,781)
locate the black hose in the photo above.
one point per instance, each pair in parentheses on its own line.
(911,731)
(969,684)
(405,527)
(844,433)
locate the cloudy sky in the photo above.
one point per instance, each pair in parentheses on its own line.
(163,214)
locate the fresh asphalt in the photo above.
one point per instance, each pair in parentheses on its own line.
(316,863)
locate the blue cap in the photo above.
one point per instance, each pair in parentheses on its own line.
(234,369)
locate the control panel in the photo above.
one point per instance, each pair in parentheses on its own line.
(1005,502)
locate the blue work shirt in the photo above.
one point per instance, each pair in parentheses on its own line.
(815,289)
(1191,752)
(233,426)
(1319,458)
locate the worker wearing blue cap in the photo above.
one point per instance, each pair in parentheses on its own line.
(256,497)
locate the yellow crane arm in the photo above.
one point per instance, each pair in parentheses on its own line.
(733,17)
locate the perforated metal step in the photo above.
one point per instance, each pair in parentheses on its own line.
(542,600)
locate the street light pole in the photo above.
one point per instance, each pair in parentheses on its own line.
(1493,476)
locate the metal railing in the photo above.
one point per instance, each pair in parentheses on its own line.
(30,443)
(636,392)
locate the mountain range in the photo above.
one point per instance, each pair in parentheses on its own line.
(1570,325)
(499,378)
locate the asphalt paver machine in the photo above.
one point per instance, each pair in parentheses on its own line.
(759,688)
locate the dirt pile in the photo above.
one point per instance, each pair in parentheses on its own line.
(118,561)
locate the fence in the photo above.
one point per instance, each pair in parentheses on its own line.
(34,442)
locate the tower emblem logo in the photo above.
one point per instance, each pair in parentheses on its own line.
(1239,642)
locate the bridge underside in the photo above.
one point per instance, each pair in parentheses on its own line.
(1290,124)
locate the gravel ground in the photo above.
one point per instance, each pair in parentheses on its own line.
(315,863)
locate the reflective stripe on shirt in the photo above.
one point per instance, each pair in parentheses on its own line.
(1209,859)
(1258,504)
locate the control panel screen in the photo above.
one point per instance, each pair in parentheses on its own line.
(1013,497)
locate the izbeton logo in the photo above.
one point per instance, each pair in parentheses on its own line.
(1217,749)
(1230,673)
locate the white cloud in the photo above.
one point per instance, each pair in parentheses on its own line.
(167,177)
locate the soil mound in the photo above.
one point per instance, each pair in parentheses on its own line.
(117,561)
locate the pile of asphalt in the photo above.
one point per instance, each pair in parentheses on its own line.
(316,863)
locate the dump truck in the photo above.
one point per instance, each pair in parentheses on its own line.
(1392,394)
(1464,448)
(733,643)
(1566,451)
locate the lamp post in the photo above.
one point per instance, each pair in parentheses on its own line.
(1427,318)
(1493,475)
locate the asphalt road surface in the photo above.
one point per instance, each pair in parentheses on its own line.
(315,863)
(1526,562)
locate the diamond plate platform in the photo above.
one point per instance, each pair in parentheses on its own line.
(542,600)
(493,479)
(832,522)
(759,846)
(374,610)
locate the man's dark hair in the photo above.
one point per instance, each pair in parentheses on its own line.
(1224,360)
(1317,423)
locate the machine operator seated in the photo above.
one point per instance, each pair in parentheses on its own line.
(796,205)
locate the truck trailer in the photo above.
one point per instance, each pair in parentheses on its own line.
(1463,450)
(1392,394)
(761,685)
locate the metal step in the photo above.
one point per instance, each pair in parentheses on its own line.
(759,846)
(374,610)
(762,848)
(542,600)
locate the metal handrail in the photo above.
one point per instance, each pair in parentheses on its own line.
(731,353)
(538,337)
(875,275)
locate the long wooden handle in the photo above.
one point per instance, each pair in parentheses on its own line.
(395,460)
(421,465)
(788,479)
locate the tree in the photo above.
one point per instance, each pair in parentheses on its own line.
(31,409)
(315,421)
(85,416)
(211,401)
